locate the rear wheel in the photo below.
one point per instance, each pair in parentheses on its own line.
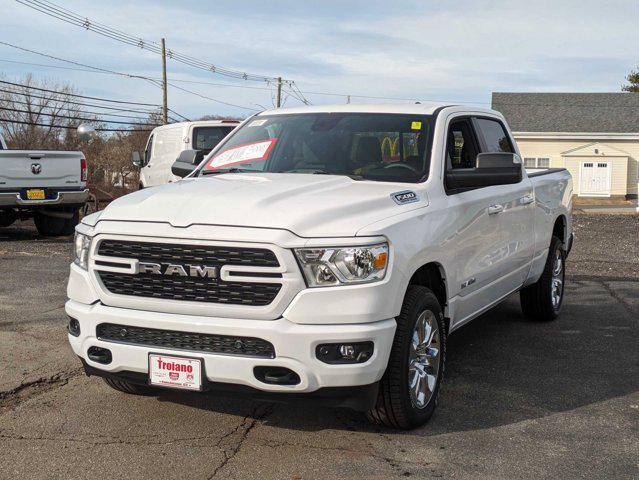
(7,217)
(543,299)
(128,387)
(49,226)
(409,389)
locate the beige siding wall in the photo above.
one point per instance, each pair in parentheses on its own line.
(624,171)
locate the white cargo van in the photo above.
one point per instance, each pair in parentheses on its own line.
(166,142)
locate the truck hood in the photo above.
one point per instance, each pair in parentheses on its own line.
(307,205)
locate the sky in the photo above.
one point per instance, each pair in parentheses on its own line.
(452,51)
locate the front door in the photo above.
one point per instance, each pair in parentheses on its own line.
(595,177)
(495,239)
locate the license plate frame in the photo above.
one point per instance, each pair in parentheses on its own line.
(36,194)
(165,381)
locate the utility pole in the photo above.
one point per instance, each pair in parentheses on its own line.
(279,92)
(165,111)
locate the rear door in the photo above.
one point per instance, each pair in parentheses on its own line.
(21,169)
(512,209)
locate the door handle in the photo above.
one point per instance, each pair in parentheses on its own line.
(495,209)
(527,199)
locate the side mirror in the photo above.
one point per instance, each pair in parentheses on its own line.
(186,162)
(136,159)
(490,169)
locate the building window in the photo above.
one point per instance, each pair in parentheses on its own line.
(537,162)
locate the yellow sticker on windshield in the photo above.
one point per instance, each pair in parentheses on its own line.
(416,125)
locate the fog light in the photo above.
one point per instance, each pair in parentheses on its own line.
(339,353)
(74,327)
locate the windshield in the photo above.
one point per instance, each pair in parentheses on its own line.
(205,138)
(382,147)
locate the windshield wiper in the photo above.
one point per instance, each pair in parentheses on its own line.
(228,170)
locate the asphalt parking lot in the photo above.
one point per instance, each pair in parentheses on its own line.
(520,399)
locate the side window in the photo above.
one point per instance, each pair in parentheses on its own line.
(494,135)
(461,146)
(148,151)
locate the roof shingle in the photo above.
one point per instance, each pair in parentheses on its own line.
(569,112)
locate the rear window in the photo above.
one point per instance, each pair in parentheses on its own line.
(205,138)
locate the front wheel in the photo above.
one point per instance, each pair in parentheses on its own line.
(543,299)
(409,389)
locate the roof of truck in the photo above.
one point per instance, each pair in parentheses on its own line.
(199,123)
(423,108)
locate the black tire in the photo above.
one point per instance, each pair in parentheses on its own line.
(128,387)
(7,218)
(537,299)
(56,226)
(395,407)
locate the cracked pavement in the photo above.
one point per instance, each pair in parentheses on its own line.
(520,399)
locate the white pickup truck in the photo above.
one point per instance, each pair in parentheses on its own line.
(320,253)
(45,185)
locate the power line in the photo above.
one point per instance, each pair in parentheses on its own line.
(179,115)
(212,99)
(76,95)
(71,102)
(84,112)
(61,13)
(172,79)
(67,127)
(68,117)
(102,70)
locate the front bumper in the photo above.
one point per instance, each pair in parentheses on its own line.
(294,347)
(64,197)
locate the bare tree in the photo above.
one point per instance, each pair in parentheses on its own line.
(38,114)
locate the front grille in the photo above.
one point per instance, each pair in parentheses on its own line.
(179,253)
(194,342)
(194,289)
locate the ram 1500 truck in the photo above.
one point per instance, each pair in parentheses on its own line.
(320,253)
(45,185)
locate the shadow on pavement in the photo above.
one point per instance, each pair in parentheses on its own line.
(26,232)
(503,369)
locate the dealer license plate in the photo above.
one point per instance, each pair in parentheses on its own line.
(175,372)
(35,194)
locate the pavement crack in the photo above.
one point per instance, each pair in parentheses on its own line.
(232,442)
(27,390)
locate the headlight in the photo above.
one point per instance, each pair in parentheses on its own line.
(81,244)
(344,265)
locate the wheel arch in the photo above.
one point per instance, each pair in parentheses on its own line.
(560,229)
(433,276)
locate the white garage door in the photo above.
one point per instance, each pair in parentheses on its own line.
(595,179)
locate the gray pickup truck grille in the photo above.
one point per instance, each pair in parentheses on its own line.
(188,288)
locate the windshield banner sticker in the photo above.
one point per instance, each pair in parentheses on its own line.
(248,152)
